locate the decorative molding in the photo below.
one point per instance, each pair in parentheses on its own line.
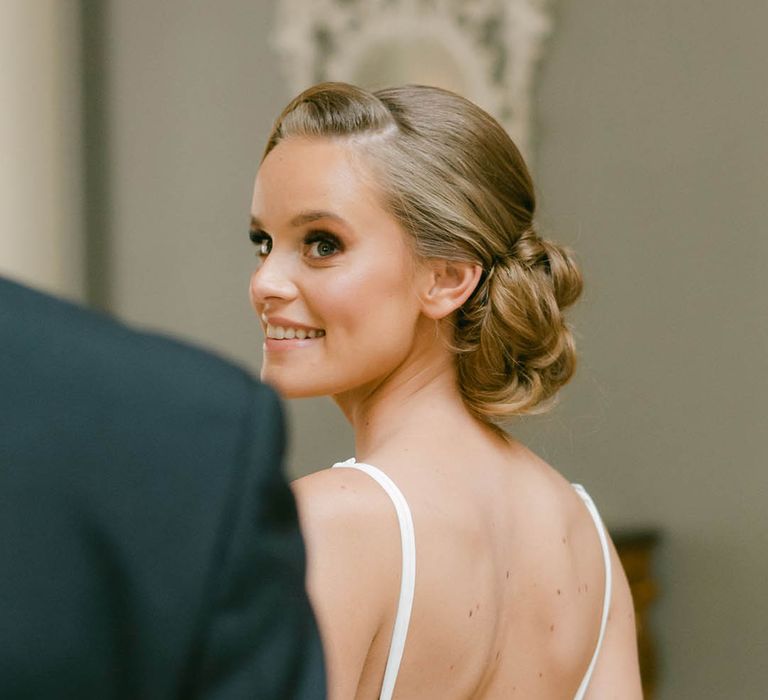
(484,49)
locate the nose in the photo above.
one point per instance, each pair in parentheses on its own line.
(272,281)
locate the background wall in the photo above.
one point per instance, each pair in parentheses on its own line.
(651,160)
(41,240)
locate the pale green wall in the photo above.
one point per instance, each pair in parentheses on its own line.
(651,152)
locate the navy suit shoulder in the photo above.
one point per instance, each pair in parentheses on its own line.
(141,504)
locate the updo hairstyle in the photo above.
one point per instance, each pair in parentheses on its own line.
(456,182)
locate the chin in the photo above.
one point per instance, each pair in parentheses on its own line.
(292,388)
(294,392)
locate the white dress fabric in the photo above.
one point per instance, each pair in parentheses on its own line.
(408,578)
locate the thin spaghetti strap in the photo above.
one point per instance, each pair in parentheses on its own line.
(608,585)
(408,578)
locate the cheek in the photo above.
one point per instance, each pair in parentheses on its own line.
(374,303)
(369,317)
(371,328)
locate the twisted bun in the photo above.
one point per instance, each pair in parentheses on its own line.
(514,348)
(457,184)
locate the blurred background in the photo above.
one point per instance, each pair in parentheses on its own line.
(130,133)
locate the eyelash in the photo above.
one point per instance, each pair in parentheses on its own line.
(260,238)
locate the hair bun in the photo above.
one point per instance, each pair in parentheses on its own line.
(518,349)
(537,253)
(566,276)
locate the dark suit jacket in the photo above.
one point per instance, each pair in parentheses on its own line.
(149,545)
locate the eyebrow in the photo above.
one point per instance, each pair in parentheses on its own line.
(305,217)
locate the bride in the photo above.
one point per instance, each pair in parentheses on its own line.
(399,271)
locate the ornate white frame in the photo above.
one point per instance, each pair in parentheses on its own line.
(496,42)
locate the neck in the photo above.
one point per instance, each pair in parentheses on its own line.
(420,399)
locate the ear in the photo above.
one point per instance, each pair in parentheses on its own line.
(447,285)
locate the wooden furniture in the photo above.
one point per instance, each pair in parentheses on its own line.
(636,548)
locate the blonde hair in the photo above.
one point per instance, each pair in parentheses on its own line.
(458,185)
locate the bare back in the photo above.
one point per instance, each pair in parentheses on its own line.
(509,585)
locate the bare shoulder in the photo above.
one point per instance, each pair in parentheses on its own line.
(348,521)
(343,500)
(353,562)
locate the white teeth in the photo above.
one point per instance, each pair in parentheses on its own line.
(287,333)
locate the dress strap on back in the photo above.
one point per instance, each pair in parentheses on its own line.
(608,585)
(408,578)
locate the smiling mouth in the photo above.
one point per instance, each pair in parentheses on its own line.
(288,333)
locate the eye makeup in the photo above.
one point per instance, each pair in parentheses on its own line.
(261,240)
(324,244)
(321,243)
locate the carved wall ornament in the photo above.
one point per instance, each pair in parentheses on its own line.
(485,50)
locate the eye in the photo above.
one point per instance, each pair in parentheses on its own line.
(262,242)
(322,244)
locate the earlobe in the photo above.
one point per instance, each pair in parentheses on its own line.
(450,284)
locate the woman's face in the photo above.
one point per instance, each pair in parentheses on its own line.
(334,284)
